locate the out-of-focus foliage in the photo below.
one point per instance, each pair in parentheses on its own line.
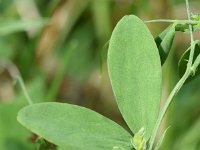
(57,45)
(13,136)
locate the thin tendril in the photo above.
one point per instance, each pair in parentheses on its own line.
(191,36)
(19,79)
(173,21)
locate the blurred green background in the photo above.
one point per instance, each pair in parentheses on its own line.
(59,48)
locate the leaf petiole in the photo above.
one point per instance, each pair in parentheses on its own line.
(173,21)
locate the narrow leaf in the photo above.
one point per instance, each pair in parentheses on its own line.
(164,42)
(71,126)
(11,26)
(160,140)
(135,73)
(182,65)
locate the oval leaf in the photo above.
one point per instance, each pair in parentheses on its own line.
(135,73)
(72,126)
(182,65)
(164,42)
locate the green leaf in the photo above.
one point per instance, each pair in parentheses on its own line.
(73,126)
(11,26)
(164,42)
(182,65)
(135,73)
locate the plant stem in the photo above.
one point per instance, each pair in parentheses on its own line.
(19,79)
(172,21)
(190,69)
(165,107)
(176,89)
(191,36)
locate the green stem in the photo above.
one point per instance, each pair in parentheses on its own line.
(19,79)
(191,37)
(190,69)
(172,21)
(165,107)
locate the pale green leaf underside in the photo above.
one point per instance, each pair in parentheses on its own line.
(75,127)
(135,73)
(164,42)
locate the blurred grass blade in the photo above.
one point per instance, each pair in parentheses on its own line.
(11,26)
(101,11)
